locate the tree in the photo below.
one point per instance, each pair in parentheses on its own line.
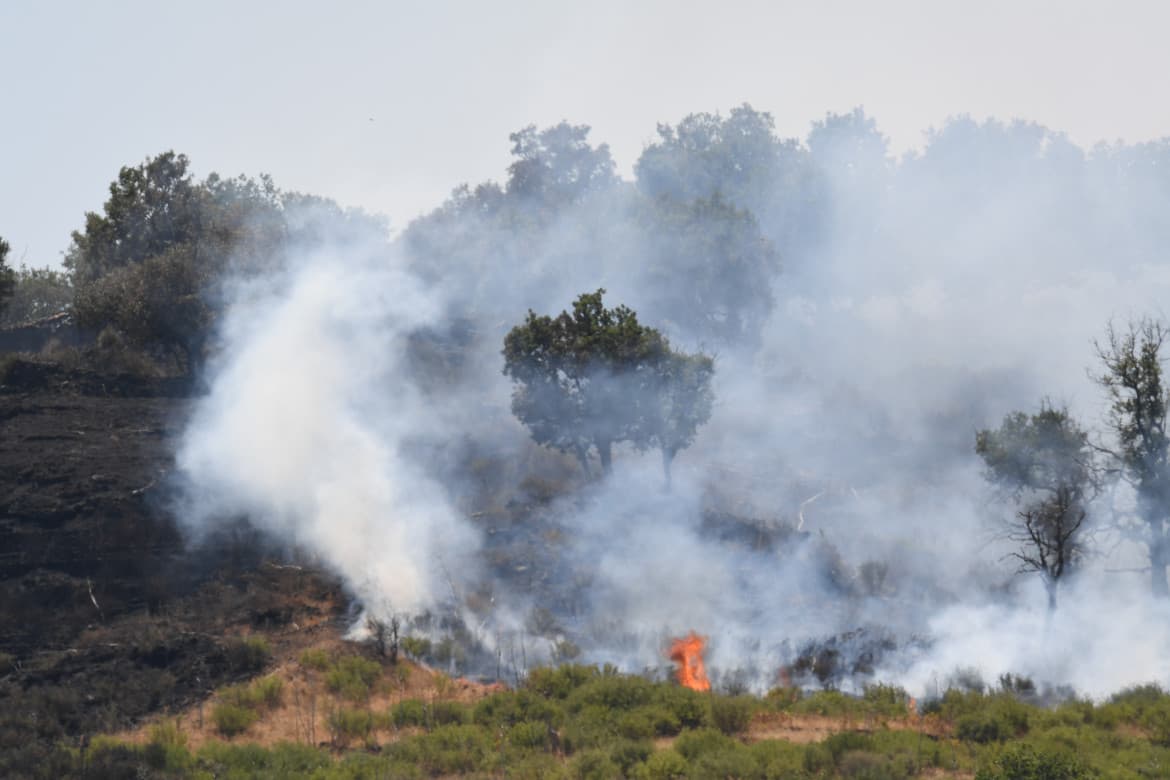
(1045,464)
(38,293)
(596,377)
(7,277)
(1132,378)
(708,270)
(683,400)
(557,165)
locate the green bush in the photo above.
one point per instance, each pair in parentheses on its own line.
(269,691)
(315,659)
(415,647)
(620,692)
(732,714)
(628,753)
(347,724)
(507,708)
(888,700)
(693,743)
(454,750)
(352,677)
(693,709)
(560,681)
(248,654)
(593,765)
(409,712)
(662,765)
(232,719)
(1023,762)
(445,713)
(529,735)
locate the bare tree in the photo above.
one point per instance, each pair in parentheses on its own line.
(1132,378)
(1048,532)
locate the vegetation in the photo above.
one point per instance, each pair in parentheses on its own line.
(597,377)
(1044,462)
(581,721)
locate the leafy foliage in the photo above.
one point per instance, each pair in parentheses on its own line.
(597,377)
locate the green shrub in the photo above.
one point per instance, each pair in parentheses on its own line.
(347,724)
(863,765)
(415,647)
(620,692)
(529,735)
(732,714)
(268,691)
(444,713)
(827,703)
(507,708)
(232,719)
(628,753)
(889,700)
(560,681)
(535,766)
(352,677)
(1023,762)
(167,749)
(694,743)
(691,708)
(662,765)
(409,712)
(454,749)
(777,758)
(248,654)
(846,741)
(593,765)
(315,659)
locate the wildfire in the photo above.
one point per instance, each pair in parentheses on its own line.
(688,654)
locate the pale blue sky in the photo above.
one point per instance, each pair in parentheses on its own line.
(290,88)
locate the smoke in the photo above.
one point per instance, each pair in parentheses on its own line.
(302,430)
(868,316)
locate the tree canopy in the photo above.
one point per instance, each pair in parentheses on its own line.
(595,377)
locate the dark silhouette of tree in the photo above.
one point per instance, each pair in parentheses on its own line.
(1044,462)
(7,276)
(595,377)
(1132,378)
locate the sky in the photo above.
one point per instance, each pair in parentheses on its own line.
(389,105)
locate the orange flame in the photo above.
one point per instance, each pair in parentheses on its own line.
(688,654)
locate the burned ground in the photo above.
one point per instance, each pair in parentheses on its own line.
(106,614)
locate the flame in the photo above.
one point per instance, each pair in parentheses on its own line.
(688,654)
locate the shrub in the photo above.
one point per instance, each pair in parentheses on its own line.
(662,765)
(732,714)
(890,700)
(454,749)
(232,719)
(617,693)
(529,735)
(1023,762)
(628,753)
(409,712)
(691,708)
(316,659)
(348,724)
(352,677)
(692,744)
(416,647)
(268,691)
(248,654)
(593,765)
(445,713)
(558,682)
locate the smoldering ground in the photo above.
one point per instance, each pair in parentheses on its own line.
(868,315)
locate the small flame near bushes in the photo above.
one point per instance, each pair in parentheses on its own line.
(687,652)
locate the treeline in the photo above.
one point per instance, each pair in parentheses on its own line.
(695,242)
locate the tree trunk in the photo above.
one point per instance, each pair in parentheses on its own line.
(1051,586)
(1158,559)
(605,452)
(667,459)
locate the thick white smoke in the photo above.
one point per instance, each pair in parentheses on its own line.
(304,426)
(947,291)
